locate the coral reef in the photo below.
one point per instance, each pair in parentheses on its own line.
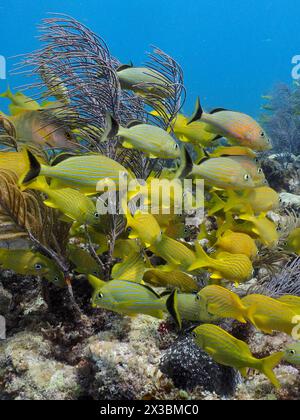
(61,347)
(282,120)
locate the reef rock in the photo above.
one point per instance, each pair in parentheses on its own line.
(190,367)
(290,200)
(30,373)
(5,300)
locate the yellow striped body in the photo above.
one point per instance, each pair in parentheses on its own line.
(293,242)
(175,253)
(292,301)
(152,140)
(237,243)
(227,350)
(223,173)
(192,309)
(143,79)
(28,263)
(237,268)
(128,298)
(144,227)
(83,261)
(252,168)
(263,228)
(174,279)
(223,303)
(269,315)
(88,173)
(194,133)
(132,268)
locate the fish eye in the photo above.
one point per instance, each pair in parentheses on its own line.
(247,177)
(38,267)
(100,295)
(56,279)
(129,229)
(292,352)
(260,171)
(176,147)
(198,297)
(96,215)
(262,134)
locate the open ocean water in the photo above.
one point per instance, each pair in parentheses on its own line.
(231,51)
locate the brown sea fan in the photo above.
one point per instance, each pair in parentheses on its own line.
(24,213)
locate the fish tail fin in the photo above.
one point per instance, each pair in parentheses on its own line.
(34,169)
(217,204)
(249,314)
(172,306)
(186,164)
(39,184)
(7,94)
(111,128)
(202,258)
(197,114)
(267,366)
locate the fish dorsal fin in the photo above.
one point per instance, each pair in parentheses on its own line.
(186,165)
(197,114)
(218,137)
(145,287)
(216,110)
(61,158)
(151,290)
(134,123)
(172,306)
(125,67)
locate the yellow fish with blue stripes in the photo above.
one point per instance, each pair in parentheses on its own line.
(142,80)
(129,298)
(223,303)
(228,351)
(152,140)
(29,263)
(75,206)
(232,267)
(224,173)
(269,315)
(177,254)
(292,354)
(89,173)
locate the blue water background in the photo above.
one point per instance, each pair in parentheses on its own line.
(232,51)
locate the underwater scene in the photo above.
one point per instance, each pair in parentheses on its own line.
(150,202)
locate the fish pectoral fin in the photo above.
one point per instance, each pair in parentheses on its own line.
(210,351)
(65,218)
(260,323)
(212,308)
(50,204)
(216,276)
(244,372)
(127,145)
(133,236)
(151,156)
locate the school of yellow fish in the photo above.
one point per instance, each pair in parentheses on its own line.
(157,259)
